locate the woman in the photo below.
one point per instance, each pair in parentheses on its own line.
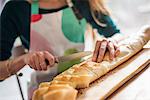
(57,26)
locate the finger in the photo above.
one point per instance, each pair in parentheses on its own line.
(115,46)
(56,60)
(96,51)
(117,52)
(36,61)
(42,61)
(50,58)
(115,43)
(111,49)
(102,51)
(31,64)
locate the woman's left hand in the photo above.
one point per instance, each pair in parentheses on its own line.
(101,48)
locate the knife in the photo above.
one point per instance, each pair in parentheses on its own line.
(71,57)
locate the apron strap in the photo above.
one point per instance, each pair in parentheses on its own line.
(75,10)
(35,7)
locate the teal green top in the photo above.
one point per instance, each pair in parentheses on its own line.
(84,8)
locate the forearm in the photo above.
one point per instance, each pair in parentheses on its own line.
(10,67)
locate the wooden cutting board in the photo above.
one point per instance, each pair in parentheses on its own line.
(107,84)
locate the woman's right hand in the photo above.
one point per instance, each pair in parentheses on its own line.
(37,60)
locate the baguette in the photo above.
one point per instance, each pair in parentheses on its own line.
(81,75)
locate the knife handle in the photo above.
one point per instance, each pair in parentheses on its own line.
(47,62)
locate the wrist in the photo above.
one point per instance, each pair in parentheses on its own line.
(8,68)
(16,64)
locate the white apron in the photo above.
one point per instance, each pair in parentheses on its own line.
(60,33)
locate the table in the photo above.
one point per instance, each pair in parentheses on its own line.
(137,88)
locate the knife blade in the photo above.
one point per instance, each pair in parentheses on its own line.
(74,56)
(71,57)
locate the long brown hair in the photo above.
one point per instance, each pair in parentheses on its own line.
(97,6)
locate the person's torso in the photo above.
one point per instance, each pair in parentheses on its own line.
(57,32)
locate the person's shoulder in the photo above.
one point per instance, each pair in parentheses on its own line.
(17,5)
(16,8)
(17,2)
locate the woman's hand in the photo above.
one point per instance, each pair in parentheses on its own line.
(101,48)
(37,60)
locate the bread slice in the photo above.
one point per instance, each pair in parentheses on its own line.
(77,77)
(55,92)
